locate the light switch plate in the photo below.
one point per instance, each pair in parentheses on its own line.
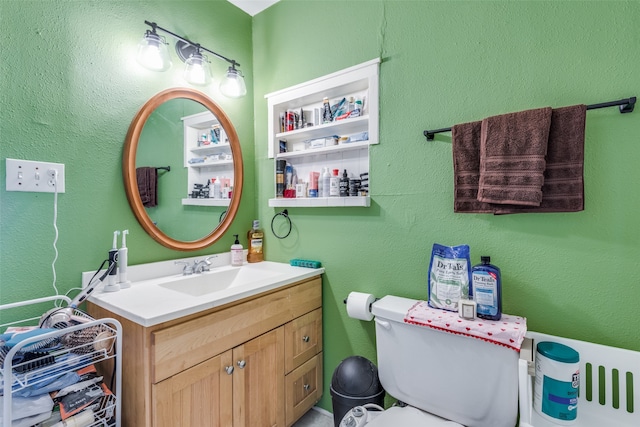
(41,177)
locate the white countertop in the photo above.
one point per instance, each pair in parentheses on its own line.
(151,301)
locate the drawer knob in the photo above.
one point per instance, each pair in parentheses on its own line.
(305,338)
(229,369)
(306,387)
(241,364)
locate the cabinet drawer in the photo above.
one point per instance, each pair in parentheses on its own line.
(303,388)
(303,339)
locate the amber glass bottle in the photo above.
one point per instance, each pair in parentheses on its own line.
(255,246)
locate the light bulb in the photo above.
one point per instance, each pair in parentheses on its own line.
(153,53)
(197,70)
(233,84)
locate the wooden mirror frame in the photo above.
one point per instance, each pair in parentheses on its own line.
(131,182)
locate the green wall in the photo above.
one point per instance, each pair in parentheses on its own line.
(443,63)
(69,88)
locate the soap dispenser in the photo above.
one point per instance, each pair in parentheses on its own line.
(237,253)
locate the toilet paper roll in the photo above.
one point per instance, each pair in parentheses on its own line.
(359,305)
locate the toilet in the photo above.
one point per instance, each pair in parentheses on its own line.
(444,379)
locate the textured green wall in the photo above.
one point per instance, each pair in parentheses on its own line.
(69,87)
(444,63)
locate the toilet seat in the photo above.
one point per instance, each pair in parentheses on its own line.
(409,416)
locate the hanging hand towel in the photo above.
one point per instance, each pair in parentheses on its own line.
(512,157)
(465,142)
(147,178)
(509,331)
(563,189)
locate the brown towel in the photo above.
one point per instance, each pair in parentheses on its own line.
(147,178)
(465,141)
(512,157)
(563,189)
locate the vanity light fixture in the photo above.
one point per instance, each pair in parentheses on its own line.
(153,55)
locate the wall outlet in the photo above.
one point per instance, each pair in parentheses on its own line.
(42,177)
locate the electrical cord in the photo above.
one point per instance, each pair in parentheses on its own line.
(55,227)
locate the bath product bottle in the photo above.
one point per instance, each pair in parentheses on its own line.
(216,188)
(255,236)
(486,288)
(334,184)
(327,117)
(326,183)
(344,184)
(237,254)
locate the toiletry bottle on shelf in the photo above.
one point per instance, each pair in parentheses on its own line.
(216,188)
(237,253)
(327,116)
(255,237)
(334,184)
(326,183)
(486,288)
(344,184)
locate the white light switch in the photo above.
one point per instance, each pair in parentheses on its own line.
(27,175)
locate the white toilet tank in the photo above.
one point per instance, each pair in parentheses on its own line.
(463,379)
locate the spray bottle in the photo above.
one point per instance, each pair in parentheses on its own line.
(123,260)
(112,283)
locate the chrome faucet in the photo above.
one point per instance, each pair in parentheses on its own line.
(187,269)
(203,265)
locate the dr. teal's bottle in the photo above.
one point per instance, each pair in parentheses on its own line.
(255,236)
(486,288)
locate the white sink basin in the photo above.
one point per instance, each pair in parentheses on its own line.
(219,279)
(152,300)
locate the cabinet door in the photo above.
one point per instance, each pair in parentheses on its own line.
(200,396)
(258,381)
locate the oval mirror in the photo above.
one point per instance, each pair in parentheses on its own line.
(182,169)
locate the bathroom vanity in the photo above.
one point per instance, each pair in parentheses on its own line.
(250,361)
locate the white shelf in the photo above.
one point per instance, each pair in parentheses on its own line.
(211,148)
(211,164)
(339,128)
(359,82)
(205,202)
(324,150)
(321,202)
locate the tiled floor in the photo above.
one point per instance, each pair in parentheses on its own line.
(315,418)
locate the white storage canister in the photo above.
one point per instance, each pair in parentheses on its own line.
(555,395)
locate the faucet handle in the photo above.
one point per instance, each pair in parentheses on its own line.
(187,269)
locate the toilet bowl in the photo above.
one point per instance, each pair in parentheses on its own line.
(445,379)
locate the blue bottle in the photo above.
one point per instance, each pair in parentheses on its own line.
(486,289)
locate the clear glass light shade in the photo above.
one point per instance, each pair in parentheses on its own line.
(233,84)
(153,53)
(197,71)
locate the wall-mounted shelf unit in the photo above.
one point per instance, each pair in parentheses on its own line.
(206,158)
(298,143)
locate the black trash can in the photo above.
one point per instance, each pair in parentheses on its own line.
(355,382)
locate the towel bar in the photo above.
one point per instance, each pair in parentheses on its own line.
(626,106)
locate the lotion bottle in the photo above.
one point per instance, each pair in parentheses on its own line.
(237,254)
(255,236)
(326,183)
(486,288)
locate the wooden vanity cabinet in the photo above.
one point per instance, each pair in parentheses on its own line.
(252,363)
